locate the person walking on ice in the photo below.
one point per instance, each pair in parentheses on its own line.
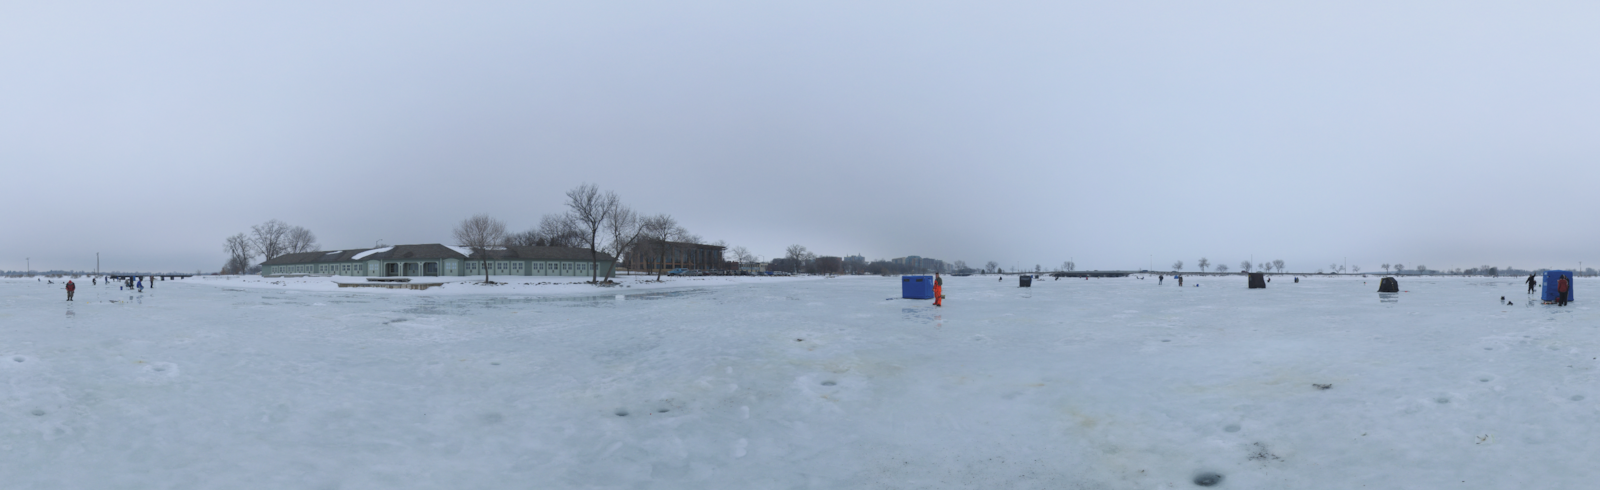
(70,289)
(1160,279)
(938,290)
(1531,283)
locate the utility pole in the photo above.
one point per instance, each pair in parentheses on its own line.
(97,263)
(30,265)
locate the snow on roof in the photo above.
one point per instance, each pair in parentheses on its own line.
(363,255)
(334,252)
(464,251)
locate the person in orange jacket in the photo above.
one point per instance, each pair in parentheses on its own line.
(1562,287)
(938,290)
(71,288)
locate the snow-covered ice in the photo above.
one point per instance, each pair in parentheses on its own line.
(798,383)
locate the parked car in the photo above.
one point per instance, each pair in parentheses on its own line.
(677,272)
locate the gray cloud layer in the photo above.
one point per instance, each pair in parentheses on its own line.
(1440,133)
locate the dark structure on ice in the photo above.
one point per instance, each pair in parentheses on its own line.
(1024,281)
(1258,280)
(916,287)
(1388,285)
(1548,292)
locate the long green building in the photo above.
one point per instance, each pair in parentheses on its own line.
(438,260)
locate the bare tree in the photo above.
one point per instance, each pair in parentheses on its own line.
(301,240)
(991,266)
(1222,267)
(1385,268)
(481,233)
(742,256)
(798,254)
(589,209)
(1421,269)
(528,238)
(239,251)
(959,265)
(1203,264)
(1398,268)
(1244,266)
(1177,266)
(625,228)
(1278,264)
(1355,269)
(270,238)
(659,232)
(1069,266)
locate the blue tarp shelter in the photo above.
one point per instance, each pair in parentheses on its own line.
(916,287)
(1549,288)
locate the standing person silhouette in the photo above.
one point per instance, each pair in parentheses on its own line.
(70,289)
(1562,288)
(1531,282)
(938,290)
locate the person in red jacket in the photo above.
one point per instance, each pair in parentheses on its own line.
(70,289)
(938,290)
(1562,288)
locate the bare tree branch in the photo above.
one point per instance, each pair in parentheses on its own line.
(481,233)
(590,209)
(300,240)
(239,250)
(270,238)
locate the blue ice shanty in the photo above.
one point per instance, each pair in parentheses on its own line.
(916,287)
(1548,291)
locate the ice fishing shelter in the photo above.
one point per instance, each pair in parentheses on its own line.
(916,287)
(1024,281)
(1548,291)
(1388,285)
(1258,280)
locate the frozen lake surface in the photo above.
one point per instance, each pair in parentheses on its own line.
(788,383)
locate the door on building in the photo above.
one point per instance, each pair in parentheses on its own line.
(391,270)
(430,269)
(411,268)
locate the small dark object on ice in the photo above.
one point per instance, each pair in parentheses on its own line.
(1207,479)
(799,340)
(1322,386)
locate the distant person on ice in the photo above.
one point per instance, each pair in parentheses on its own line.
(1160,279)
(938,290)
(1531,282)
(1561,291)
(1179,278)
(140,284)
(70,288)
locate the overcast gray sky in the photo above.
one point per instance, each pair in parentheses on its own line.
(1441,133)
